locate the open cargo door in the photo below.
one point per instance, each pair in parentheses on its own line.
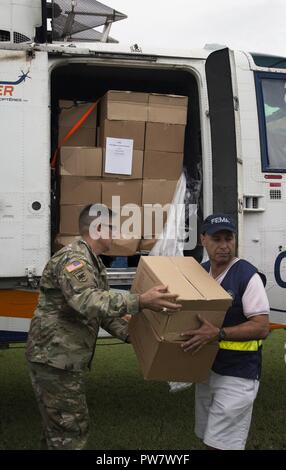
(223,135)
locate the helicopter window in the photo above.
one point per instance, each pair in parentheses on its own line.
(271,94)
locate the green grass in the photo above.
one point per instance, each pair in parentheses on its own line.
(129,413)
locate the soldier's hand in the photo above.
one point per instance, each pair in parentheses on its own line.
(127,317)
(159,299)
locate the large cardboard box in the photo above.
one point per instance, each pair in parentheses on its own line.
(128,220)
(170,109)
(147,245)
(153,220)
(134,130)
(72,111)
(81,161)
(137,167)
(162,358)
(121,247)
(124,105)
(165,137)
(129,191)
(156,336)
(83,137)
(80,190)
(162,165)
(69,215)
(158,191)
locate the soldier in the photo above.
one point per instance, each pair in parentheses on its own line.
(74,302)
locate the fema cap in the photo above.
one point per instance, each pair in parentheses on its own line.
(217,222)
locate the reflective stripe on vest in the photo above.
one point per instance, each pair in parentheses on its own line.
(240,345)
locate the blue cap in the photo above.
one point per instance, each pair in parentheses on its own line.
(217,222)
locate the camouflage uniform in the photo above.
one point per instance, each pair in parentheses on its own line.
(74,302)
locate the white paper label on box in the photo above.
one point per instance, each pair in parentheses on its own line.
(118,156)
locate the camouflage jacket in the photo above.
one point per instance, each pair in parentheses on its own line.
(74,302)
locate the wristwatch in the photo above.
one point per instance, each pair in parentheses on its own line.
(221,335)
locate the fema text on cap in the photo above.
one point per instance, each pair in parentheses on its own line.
(219,220)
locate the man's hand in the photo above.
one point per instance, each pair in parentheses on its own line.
(159,299)
(206,333)
(127,317)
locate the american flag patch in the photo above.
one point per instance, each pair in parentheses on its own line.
(73,266)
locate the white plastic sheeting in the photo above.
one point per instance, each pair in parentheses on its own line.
(171,241)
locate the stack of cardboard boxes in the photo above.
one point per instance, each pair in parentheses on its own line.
(139,157)
(163,153)
(121,136)
(81,165)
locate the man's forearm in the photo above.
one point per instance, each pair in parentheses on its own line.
(248,331)
(102,303)
(116,327)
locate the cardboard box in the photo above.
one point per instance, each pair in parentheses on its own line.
(124,105)
(128,191)
(162,358)
(134,130)
(147,245)
(162,165)
(158,191)
(121,247)
(129,213)
(137,167)
(154,219)
(128,221)
(80,190)
(156,336)
(83,137)
(171,109)
(165,137)
(81,161)
(69,215)
(72,111)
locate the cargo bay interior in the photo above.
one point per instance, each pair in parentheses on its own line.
(89,82)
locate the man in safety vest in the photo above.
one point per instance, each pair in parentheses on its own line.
(224,404)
